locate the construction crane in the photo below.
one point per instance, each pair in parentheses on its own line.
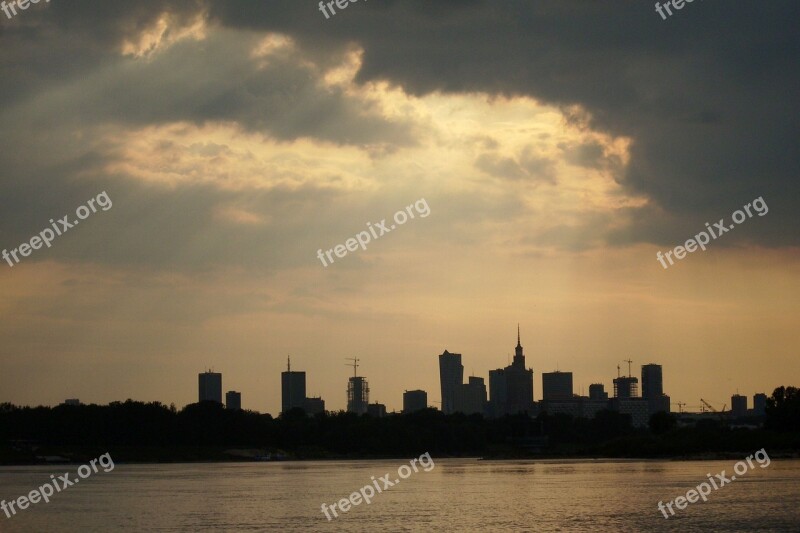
(680,406)
(629,366)
(720,413)
(354,364)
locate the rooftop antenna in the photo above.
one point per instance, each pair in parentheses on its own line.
(354,365)
(629,366)
(288,363)
(617,371)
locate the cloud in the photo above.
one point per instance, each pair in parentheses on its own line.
(707,98)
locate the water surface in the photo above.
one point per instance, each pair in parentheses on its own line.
(456,495)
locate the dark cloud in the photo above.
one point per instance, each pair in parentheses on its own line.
(708,97)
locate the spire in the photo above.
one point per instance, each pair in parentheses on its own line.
(518,356)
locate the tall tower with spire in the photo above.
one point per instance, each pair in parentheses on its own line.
(516,383)
(519,358)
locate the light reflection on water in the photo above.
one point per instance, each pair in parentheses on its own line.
(456,495)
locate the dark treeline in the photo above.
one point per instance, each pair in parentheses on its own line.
(152,431)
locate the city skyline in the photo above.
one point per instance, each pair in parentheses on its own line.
(640,388)
(494,235)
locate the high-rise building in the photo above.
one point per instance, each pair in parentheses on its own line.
(414,400)
(72,401)
(653,389)
(626,387)
(760,404)
(210,387)
(557,385)
(313,406)
(511,388)
(470,398)
(498,389)
(519,383)
(378,410)
(293,388)
(451,376)
(738,406)
(597,391)
(357,395)
(233,400)
(652,383)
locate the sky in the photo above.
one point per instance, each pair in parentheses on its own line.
(554,148)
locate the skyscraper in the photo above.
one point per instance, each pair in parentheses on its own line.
(451,376)
(557,385)
(738,406)
(519,382)
(652,384)
(357,395)
(293,388)
(470,398)
(511,388)
(233,400)
(498,389)
(760,404)
(209,387)
(653,389)
(414,400)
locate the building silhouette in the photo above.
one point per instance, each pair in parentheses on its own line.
(378,410)
(653,389)
(293,388)
(451,376)
(597,391)
(209,387)
(414,400)
(626,400)
(626,387)
(511,388)
(470,398)
(498,389)
(314,405)
(637,408)
(357,395)
(760,404)
(233,400)
(557,385)
(577,406)
(738,406)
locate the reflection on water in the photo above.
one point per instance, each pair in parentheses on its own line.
(457,495)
